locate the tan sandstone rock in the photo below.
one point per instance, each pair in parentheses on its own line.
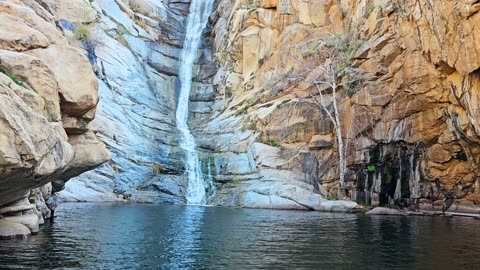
(78,85)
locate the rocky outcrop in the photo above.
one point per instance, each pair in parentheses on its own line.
(43,81)
(411,129)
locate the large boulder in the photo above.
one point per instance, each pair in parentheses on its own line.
(33,72)
(10,230)
(16,34)
(78,84)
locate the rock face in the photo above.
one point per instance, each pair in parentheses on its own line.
(412,128)
(134,47)
(264,141)
(43,81)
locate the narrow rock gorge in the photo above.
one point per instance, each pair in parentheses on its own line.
(89,93)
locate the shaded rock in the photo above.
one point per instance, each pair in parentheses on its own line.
(90,152)
(319,142)
(17,206)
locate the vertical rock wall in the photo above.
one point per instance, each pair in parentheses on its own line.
(412,130)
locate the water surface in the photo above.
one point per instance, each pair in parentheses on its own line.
(120,236)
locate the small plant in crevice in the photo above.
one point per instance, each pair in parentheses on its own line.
(82,32)
(272,142)
(285,101)
(15,79)
(51,117)
(265,58)
(267,105)
(251,5)
(309,53)
(116,168)
(83,123)
(333,197)
(250,104)
(371,168)
(244,127)
(122,40)
(157,168)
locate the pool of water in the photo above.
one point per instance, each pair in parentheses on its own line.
(132,236)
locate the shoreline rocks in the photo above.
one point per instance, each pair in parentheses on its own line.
(12,230)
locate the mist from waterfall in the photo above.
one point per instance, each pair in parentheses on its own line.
(196,22)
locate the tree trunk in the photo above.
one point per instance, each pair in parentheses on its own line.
(341,148)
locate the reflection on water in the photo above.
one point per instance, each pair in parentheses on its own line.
(94,236)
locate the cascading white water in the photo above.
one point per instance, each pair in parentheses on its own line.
(196,22)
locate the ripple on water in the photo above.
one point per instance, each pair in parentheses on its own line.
(116,236)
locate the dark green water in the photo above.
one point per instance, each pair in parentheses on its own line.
(93,236)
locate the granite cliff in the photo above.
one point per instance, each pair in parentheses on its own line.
(411,130)
(263,140)
(48,96)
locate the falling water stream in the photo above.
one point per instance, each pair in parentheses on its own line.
(197,20)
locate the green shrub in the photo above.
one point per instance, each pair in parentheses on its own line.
(371,168)
(82,33)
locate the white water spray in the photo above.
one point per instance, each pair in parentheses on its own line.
(196,22)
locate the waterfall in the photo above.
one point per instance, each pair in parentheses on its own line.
(196,22)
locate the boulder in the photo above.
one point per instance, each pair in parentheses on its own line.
(384,211)
(16,34)
(78,85)
(33,72)
(320,142)
(337,206)
(31,221)
(10,230)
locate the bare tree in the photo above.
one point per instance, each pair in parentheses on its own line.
(334,76)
